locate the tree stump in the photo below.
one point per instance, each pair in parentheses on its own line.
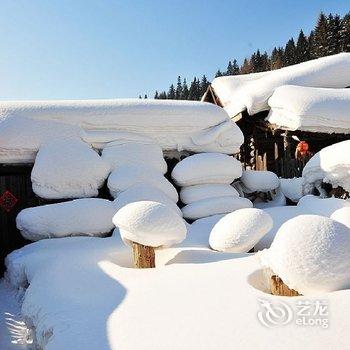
(278,287)
(144,256)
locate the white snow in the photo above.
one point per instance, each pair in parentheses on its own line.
(278,200)
(239,231)
(174,125)
(262,181)
(330,165)
(195,193)
(144,192)
(80,217)
(311,254)
(206,168)
(20,138)
(68,168)
(321,206)
(213,206)
(121,153)
(150,223)
(292,188)
(342,215)
(311,109)
(253,93)
(124,177)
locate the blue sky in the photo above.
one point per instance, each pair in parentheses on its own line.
(53,49)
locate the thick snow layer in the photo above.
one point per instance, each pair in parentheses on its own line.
(262,181)
(196,193)
(311,109)
(195,299)
(20,138)
(150,223)
(292,188)
(119,154)
(239,231)
(253,94)
(68,168)
(214,206)
(123,178)
(279,216)
(342,215)
(311,254)
(206,168)
(321,206)
(330,165)
(80,217)
(174,125)
(144,192)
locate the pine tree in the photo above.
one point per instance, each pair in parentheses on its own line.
(178,92)
(203,86)
(345,34)
(140,97)
(289,53)
(302,50)
(232,68)
(333,35)
(246,67)
(171,92)
(218,74)
(319,42)
(185,90)
(162,95)
(192,92)
(156,95)
(145,96)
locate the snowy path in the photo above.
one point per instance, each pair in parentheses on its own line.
(12,328)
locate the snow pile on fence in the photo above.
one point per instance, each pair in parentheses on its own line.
(311,254)
(80,217)
(253,94)
(173,125)
(205,179)
(311,109)
(68,168)
(330,165)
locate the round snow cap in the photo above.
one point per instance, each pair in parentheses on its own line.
(342,215)
(239,231)
(150,223)
(311,254)
(260,180)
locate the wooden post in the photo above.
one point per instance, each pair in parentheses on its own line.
(144,256)
(278,287)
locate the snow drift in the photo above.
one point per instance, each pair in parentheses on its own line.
(311,109)
(80,217)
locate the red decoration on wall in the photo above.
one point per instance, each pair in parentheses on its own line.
(8,201)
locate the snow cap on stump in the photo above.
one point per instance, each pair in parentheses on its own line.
(311,254)
(260,180)
(239,231)
(342,215)
(150,223)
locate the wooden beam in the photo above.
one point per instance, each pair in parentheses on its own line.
(278,287)
(144,256)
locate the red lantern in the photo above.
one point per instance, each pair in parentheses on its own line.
(8,201)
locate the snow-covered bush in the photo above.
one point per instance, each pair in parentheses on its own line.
(239,231)
(213,206)
(195,193)
(311,254)
(342,215)
(80,217)
(68,168)
(121,153)
(206,168)
(123,178)
(144,192)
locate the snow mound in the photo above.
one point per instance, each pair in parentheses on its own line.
(68,168)
(330,165)
(262,181)
(174,125)
(196,193)
(239,231)
(20,138)
(321,206)
(311,254)
(214,206)
(80,217)
(310,109)
(292,188)
(150,223)
(206,168)
(342,215)
(122,178)
(119,154)
(144,192)
(279,216)
(253,94)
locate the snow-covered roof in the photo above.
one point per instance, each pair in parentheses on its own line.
(251,92)
(174,125)
(310,109)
